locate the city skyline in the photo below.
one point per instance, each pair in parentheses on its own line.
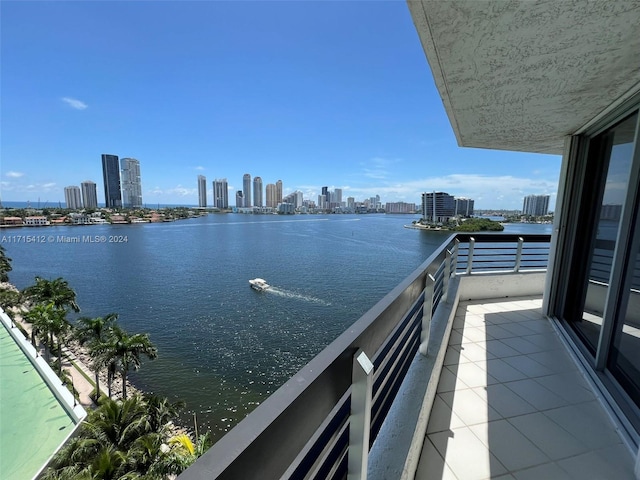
(258,88)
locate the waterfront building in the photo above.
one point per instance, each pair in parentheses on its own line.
(536,205)
(72,197)
(36,221)
(221,193)
(351,203)
(286,208)
(294,198)
(202,191)
(257,192)
(239,199)
(464,207)
(271,197)
(246,189)
(400,207)
(131,183)
(111,178)
(438,207)
(278,191)
(89,194)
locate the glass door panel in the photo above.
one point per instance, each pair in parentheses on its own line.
(613,152)
(624,355)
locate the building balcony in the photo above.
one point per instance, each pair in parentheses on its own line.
(456,373)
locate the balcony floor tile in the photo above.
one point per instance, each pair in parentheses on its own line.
(513,405)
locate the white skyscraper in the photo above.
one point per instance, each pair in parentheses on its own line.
(246,190)
(89,194)
(257,192)
(220,193)
(72,197)
(202,191)
(130,181)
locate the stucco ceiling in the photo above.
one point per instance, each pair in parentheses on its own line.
(520,75)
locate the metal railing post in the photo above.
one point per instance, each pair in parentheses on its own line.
(516,268)
(456,248)
(427,307)
(472,242)
(360,419)
(446,274)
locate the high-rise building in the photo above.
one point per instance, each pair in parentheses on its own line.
(271,195)
(131,184)
(338,197)
(536,205)
(438,206)
(257,192)
(72,197)
(400,207)
(327,198)
(221,193)
(202,191)
(246,189)
(239,199)
(278,192)
(111,177)
(464,207)
(89,194)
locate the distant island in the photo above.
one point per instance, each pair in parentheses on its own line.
(460,225)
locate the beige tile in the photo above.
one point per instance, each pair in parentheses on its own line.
(472,375)
(547,471)
(528,366)
(510,447)
(522,345)
(548,436)
(588,422)
(504,401)
(469,407)
(431,464)
(502,371)
(449,382)
(570,386)
(535,394)
(611,463)
(475,352)
(474,334)
(442,417)
(466,455)
(501,348)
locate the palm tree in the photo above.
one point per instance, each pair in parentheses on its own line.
(5,265)
(55,291)
(125,351)
(48,321)
(92,331)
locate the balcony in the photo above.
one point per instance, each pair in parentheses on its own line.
(456,373)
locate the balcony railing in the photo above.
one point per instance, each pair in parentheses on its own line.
(322,422)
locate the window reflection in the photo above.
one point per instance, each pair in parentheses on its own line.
(617,154)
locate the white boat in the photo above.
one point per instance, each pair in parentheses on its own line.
(259,284)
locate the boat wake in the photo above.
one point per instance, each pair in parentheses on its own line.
(298,296)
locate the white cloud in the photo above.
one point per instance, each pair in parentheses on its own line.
(177,191)
(200,168)
(75,103)
(13,174)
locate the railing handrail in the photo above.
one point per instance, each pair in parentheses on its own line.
(269,441)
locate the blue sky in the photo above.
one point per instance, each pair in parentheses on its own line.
(311,93)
